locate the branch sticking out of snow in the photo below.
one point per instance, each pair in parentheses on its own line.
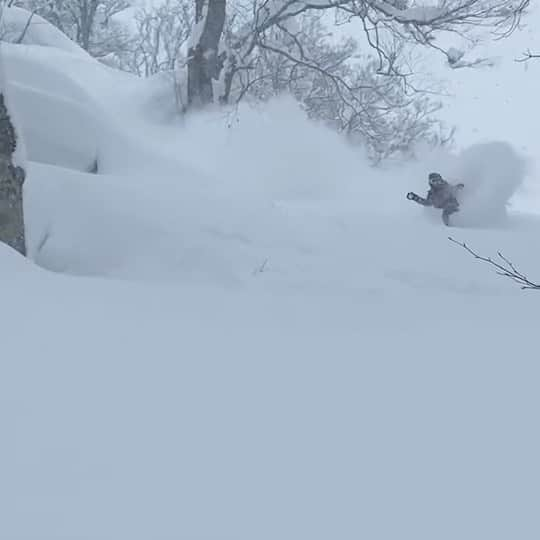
(528,56)
(503,268)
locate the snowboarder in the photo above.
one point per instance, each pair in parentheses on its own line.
(441,194)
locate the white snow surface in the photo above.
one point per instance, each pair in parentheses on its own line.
(238,329)
(51,107)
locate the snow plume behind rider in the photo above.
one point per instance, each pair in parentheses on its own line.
(493,173)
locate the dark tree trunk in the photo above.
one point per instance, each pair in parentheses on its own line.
(11,185)
(88,10)
(204,64)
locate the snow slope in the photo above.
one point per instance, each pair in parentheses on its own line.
(251,334)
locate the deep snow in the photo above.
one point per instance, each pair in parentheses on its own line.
(288,349)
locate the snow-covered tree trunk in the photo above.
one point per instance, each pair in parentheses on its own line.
(12,176)
(203,61)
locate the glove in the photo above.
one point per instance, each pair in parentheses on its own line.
(410,196)
(460,186)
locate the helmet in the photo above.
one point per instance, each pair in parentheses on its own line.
(435,179)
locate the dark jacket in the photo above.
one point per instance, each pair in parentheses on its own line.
(443,196)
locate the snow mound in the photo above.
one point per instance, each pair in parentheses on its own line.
(59,121)
(141,227)
(48,123)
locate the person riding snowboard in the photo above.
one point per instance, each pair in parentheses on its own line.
(441,194)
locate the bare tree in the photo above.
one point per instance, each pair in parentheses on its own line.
(12,176)
(265,47)
(385,113)
(385,23)
(161,35)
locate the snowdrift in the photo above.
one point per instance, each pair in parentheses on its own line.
(59,121)
(56,130)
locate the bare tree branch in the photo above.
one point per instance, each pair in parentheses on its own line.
(503,268)
(20,39)
(528,55)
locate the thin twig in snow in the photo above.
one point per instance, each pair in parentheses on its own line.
(505,268)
